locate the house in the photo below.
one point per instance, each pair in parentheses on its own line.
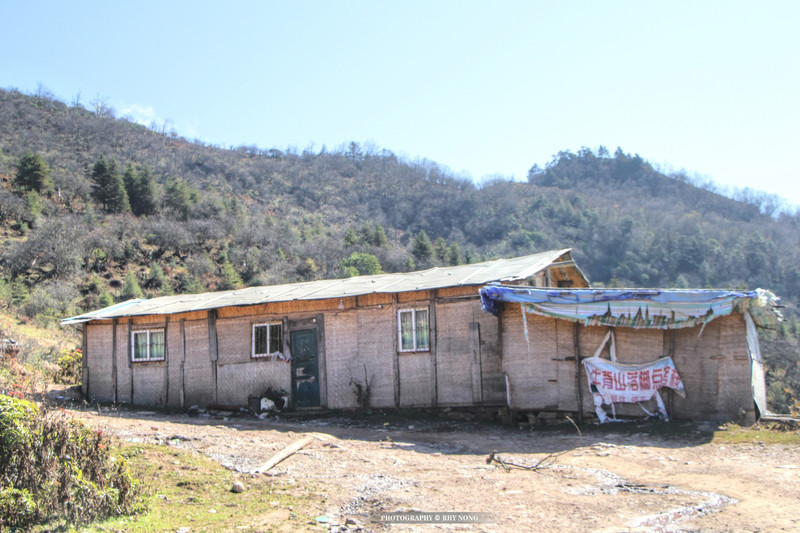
(416,339)
(577,350)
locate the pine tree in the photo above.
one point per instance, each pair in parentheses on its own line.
(142,191)
(421,248)
(180,197)
(441,249)
(157,279)
(350,238)
(379,239)
(454,254)
(230,278)
(131,288)
(33,174)
(148,192)
(108,187)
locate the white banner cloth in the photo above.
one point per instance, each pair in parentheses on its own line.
(630,383)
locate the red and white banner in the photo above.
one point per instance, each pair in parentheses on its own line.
(630,383)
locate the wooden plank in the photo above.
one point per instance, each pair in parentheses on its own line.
(455,292)
(368,300)
(286,452)
(412,296)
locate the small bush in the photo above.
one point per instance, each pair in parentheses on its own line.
(55,468)
(69,366)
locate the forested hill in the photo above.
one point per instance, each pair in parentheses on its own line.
(127,208)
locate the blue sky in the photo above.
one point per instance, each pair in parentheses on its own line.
(482,88)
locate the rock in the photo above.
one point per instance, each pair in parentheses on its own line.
(237,487)
(193,410)
(351,522)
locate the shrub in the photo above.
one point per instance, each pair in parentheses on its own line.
(55,468)
(69,366)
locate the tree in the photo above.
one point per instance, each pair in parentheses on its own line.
(156,278)
(33,174)
(146,193)
(35,205)
(360,264)
(108,187)
(350,238)
(421,247)
(230,279)
(180,197)
(130,287)
(379,239)
(454,254)
(142,191)
(442,250)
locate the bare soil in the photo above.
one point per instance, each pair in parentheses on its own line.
(650,476)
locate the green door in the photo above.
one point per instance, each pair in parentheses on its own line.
(305,368)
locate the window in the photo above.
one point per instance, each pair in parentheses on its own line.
(267,339)
(413,330)
(147,345)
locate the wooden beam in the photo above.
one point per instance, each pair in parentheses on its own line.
(475,346)
(85,360)
(114,359)
(213,349)
(166,361)
(128,355)
(434,336)
(395,355)
(321,363)
(286,452)
(578,388)
(183,362)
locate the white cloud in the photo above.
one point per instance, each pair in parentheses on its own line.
(144,115)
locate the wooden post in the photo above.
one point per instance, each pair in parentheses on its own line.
(578,389)
(433,339)
(183,362)
(129,354)
(85,360)
(321,364)
(212,347)
(395,355)
(114,358)
(166,361)
(475,345)
(671,353)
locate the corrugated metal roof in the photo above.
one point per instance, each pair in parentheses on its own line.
(501,270)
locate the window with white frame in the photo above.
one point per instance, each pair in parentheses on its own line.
(147,345)
(267,339)
(413,330)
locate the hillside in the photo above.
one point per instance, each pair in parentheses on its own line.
(129,210)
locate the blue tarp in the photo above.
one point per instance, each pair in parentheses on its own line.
(637,308)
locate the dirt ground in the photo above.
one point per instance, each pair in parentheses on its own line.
(651,476)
